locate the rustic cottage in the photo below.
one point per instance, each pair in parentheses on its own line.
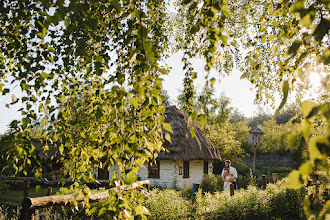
(187,159)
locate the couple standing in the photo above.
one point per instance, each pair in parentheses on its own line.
(229,176)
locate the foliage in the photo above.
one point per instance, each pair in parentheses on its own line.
(211,183)
(275,137)
(57,52)
(318,150)
(274,202)
(223,137)
(167,204)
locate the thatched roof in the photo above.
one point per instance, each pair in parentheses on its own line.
(256,130)
(184,147)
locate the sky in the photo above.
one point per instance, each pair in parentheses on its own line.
(240,91)
(232,86)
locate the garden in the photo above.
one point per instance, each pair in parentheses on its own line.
(274,201)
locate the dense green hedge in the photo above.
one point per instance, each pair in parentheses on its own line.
(275,202)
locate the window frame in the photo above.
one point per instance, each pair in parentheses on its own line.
(206,167)
(186,169)
(154,170)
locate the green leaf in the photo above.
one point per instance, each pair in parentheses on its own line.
(213,80)
(293,180)
(40,35)
(225,11)
(325,210)
(305,127)
(150,56)
(192,132)
(307,20)
(307,107)
(306,169)
(44,75)
(202,119)
(168,137)
(314,152)
(224,39)
(321,30)
(262,26)
(134,102)
(291,139)
(141,210)
(67,22)
(98,114)
(130,180)
(25,122)
(285,90)
(294,47)
(194,29)
(102,211)
(147,46)
(38,187)
(116,5)
(168,127)
(275,23)
(44,31)
(297,6)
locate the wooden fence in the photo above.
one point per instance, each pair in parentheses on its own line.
(29,205)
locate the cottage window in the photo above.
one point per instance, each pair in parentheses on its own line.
(186,169)
(206,167)
(103,173)
(153,169)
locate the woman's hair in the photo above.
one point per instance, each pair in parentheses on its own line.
(226,169)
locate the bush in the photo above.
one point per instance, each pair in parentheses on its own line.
(211,183)
(167,204)
(253,203)
(4,186)
(275,202)
(186,193)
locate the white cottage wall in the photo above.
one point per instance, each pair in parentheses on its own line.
(169,174)
(166,173)
(196,168)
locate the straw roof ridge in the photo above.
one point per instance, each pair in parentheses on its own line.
(184,147)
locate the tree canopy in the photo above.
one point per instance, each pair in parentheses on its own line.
(57,52)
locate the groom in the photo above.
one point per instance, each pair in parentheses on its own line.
(231,170)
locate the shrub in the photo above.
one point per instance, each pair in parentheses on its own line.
(4,186)
(186,193)
(252,203)
(167,204)
(211,183)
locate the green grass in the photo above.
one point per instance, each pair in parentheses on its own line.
(18,194)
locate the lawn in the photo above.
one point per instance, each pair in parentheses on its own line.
(17,194)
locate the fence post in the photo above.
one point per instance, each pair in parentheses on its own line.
(275,177)
(26,214)
(49,191)
(263,182)
(231,189)
(26,189)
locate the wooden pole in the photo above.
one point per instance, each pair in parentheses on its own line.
(26,214)
(254,160)
(263,181)
(231,188)
(275,177)
(26,189)
(49,191)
